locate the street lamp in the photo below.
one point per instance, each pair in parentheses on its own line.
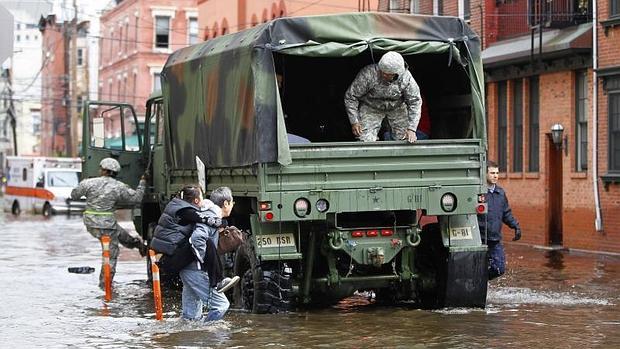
(557,131)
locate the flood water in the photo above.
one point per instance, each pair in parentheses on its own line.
(546,300)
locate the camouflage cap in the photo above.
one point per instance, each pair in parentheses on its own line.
(110,164)
(392,63)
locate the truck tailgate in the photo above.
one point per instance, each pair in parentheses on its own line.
(357,165)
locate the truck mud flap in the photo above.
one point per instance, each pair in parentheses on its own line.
(466,279)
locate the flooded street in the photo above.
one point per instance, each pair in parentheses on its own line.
(546,300)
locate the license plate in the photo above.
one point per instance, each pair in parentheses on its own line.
(275,240)
(463,233)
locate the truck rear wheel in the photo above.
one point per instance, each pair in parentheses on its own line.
(264,287)
(449,279)
(15,209)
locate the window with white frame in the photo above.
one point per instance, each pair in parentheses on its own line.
(156,81)
(438,7)
(394,6)
(464,9)
(414,6)
(36,121)
(192,31)
(162,31)
(581,121)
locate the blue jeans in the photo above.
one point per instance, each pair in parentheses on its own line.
(497,259)
(196,291)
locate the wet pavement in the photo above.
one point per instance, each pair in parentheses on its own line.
(546,300)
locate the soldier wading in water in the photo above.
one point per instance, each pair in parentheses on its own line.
(102,193)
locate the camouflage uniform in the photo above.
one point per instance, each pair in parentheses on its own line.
(102,194)
(370,99)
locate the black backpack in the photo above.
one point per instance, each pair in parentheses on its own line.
(182,256)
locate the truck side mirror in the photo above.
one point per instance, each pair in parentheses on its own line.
(39,184)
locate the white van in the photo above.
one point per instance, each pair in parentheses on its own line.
(41,184)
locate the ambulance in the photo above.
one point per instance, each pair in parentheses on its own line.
(42,185)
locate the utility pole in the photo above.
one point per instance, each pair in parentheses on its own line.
(72,106)
(67,85)
(10,109)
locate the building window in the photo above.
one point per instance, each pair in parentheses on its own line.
(135,88)
(517,125)
(414,6)
(156,82)
(614,8)
(581,118)
(438,7)
(36,122)
(614,131)
(80,56)
(121,40)
(126,49)
(534,128)
(18,38)
(162,31)
(394,6)
(79,103)
(466,10)
(502,125)
(192,31)
(135,41)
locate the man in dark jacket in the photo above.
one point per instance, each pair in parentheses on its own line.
(498,212)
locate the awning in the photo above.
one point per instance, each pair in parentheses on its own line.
(555,43)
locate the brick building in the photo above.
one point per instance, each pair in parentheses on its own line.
(535,79)
(219,17)
(539,78)
(64,84)
(137,37)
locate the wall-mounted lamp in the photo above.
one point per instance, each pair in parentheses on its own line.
(557,132)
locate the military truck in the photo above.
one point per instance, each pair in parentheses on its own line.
(330,216)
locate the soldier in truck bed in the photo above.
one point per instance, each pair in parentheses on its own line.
(384,90)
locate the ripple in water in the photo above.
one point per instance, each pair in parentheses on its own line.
(518,295)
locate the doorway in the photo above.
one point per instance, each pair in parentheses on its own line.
(554,195)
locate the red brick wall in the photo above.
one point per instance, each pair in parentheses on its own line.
(528,192)
(134,52)
(609,56)
(450,8)
(53,112)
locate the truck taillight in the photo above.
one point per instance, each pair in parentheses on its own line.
(264,206)
(387,232)
(357,233)
(482,198)
(372,233)
(481,208)
(269,216)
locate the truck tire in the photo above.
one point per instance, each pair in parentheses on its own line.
(15,209)
(264,287)
(449,279)
(47,210)
(430,260)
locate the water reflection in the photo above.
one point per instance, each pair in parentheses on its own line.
(546,299)
(555,259)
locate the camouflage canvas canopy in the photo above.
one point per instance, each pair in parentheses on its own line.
(222,98)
